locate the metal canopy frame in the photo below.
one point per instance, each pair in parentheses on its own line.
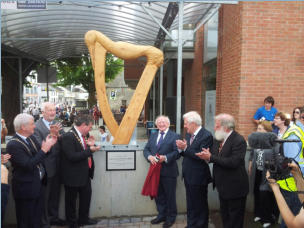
(58,32)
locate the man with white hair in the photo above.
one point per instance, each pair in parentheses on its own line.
(196,172)
(229,173)
(45,126)
(161,148)
(29,176)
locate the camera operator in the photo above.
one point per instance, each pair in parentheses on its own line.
(290,219)
(294,151)
(265,209)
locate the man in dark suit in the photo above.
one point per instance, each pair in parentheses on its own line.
(163,144)
(196,172)
(51,162)
(229,173)
(29,174)
(77,170)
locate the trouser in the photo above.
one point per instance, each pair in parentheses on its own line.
(264,201)
(197,205)
(84,193)
(166,198)
(51,201)
(233,212)
(28,212)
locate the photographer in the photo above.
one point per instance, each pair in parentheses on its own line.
(290,219)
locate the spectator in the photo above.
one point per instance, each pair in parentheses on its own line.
(104,136)
(96,115)
(266,112)
(3,131)
(296,115)
(29,176)
(4,184)
(45,126)
(264,203)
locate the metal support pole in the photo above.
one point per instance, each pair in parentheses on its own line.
(161,83)
(20,84)
(179,66)
(153,97)
(47,81)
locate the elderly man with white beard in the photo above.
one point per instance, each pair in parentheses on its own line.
(229,173)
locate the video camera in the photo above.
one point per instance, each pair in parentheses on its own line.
(275,161)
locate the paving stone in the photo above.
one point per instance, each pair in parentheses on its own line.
(136,219)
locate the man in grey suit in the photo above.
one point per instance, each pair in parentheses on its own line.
(163,144)
(45,126)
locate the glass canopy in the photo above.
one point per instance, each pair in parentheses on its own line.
(58,31)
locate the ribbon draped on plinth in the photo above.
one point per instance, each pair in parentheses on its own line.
(150,187)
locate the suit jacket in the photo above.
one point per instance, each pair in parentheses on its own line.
(195,170)
(26,183)
(229,173)
(168,148)
(74,160)
(51,161)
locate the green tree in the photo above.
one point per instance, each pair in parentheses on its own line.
(79,71)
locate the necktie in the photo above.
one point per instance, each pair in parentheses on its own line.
(85,147)
(221,146)
(191,139)
(161,139)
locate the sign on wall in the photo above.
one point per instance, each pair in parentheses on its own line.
(210,110)
(113,94)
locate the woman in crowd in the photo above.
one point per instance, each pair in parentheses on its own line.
(282,122)
(264,202)
(295,115)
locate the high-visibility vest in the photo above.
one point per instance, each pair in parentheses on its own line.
(289,184)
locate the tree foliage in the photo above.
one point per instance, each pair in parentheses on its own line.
(79,71)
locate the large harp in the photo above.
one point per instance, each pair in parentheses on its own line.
(98,45)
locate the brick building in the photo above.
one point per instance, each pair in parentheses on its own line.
(260,52)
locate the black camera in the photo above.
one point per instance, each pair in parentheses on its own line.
(274,159)
(277,164)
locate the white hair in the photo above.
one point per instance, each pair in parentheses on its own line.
(193,117)
(21,120)
(226,120)
(162,116)
(46,104)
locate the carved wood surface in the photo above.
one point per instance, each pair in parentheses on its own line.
(98,45)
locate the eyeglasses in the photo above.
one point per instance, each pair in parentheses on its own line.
(296,112)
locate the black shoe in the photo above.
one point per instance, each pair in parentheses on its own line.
(73,225)
(58,222)
(157,220)
(88,222)
(167,224)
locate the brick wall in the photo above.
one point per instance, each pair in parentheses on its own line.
(261,53)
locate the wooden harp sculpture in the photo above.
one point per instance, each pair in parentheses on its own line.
(98,45)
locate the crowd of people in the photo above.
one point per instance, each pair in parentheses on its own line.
(44,157)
